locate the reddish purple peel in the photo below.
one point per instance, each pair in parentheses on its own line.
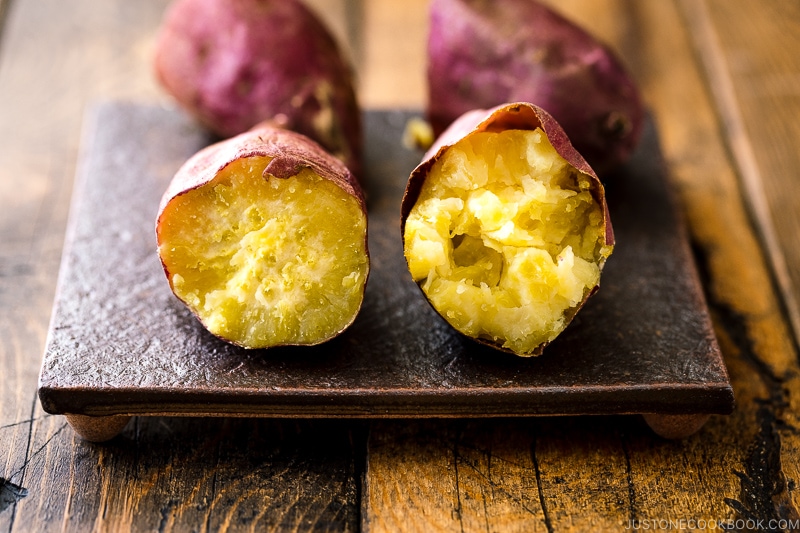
(233,64)
(482,54)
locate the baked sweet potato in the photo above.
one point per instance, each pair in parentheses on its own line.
(505,227)
(264,237)
(235,63)
(482,54)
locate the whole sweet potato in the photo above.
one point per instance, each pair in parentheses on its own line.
(235,63)
(505,227)
(264,237)
(482,54)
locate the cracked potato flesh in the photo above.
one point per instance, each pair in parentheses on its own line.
(264,261)
(506,239)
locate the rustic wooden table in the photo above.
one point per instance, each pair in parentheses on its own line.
(722,81)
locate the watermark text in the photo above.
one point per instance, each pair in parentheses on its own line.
(710,524)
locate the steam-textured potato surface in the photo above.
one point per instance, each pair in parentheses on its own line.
(506,238)
(264,261)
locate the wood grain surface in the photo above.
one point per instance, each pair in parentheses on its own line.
(555,474)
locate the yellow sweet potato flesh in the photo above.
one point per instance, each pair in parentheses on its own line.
(506,239)
(266,262)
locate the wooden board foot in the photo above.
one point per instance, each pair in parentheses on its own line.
(675,426)
(98,428)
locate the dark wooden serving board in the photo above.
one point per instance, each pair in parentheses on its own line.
(121,344)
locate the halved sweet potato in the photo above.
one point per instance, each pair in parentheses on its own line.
(506,228)
(235,63)
(264,237)
(482,54)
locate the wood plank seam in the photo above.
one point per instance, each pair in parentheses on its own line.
(26,459)
(359,439)
(548,524)
(459,508)
(629,478)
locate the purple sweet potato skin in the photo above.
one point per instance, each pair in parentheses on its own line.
(482,54)
(235,63)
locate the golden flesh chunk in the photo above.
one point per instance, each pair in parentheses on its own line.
(264,261)
(506,239)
